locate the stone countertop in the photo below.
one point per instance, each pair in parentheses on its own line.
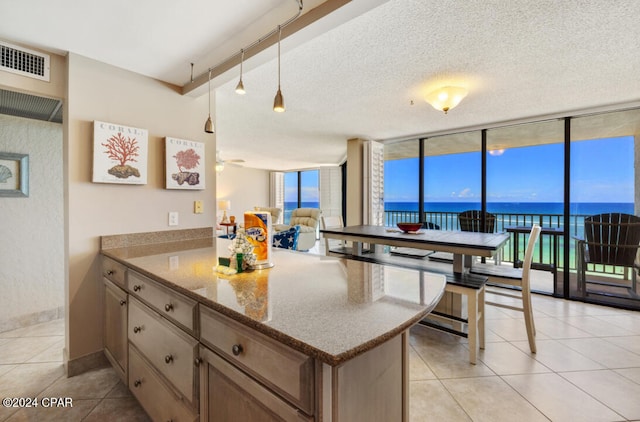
(332,309)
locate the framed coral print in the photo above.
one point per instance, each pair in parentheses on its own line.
(184,164)
(119,154)
(14,174)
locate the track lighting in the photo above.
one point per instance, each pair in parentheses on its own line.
(240,87)
(208,126)
(278,101)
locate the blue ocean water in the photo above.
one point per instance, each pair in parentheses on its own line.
(583,208)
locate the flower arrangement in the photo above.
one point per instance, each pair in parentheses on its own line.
(241,245)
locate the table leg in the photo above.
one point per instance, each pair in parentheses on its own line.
(357,248)
(461,263)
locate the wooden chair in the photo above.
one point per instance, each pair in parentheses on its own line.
(479,222)
(333,246)
(610,239)
(501,276)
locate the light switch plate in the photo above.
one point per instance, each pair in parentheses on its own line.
(197,207)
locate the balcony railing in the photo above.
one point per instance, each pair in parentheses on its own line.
(544,250)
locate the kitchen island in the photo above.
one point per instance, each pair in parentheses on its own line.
(313,338)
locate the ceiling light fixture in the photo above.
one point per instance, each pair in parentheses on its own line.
(278,101)
(208,126)
(219,165)
(240,87)
(446,98)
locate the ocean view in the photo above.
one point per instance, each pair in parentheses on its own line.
(586,208)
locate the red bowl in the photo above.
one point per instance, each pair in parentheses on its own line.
(409,227)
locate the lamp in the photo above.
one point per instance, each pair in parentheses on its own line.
(219,165)
(446,98)
(224,205)
(208,125)
(240,87)
(278,101)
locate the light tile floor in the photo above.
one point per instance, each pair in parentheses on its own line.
(587,369)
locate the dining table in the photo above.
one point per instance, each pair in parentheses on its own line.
(463,245)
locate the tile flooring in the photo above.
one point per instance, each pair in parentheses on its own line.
(587,369)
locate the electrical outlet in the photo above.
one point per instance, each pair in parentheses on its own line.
(173,218)
(197,207)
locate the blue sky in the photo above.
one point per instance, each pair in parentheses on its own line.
(602,171)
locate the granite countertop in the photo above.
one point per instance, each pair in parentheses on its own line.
(332,309)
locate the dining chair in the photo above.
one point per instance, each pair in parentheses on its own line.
(333,246)
(501,276)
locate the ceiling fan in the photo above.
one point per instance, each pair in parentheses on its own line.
(220,162)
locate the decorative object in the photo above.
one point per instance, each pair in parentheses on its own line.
(208,125)
(119,154)
(287,239)
(240,87)
(278,101)
(232,219)
(14,174)
(409,227)
(184,164)
(224,205)
(446,98)
(241,244)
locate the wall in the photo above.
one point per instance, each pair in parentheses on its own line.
(32,257)
(244,187)
(96,91)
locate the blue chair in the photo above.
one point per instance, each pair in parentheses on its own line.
(286,239)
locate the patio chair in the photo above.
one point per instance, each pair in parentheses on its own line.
(334,246)
(609,239)
(501,276)
(479,222)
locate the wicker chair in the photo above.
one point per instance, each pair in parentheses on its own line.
(479,222)
(610,239)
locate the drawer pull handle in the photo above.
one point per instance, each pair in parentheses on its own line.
(197,361)
(236,349)
(136,288)
(168,359)
(168,307)
(123,302)
(111,272)
(136,329)
(137,383)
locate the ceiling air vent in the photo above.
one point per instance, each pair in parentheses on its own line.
(24,62)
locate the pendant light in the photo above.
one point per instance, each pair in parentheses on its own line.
(278,101)
(240,87)
(208,126)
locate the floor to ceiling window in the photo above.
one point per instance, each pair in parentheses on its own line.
(400,182)
(301,190)
(525,186)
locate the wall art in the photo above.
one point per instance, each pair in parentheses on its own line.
(184,164)
(119,154)
(14,174)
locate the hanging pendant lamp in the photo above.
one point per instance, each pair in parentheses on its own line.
(278,101)
(240,87)
(208,126)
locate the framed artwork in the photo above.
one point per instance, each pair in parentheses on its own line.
(119,154)
(14,174)
(184,164)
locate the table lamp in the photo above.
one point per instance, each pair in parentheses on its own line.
(224,205)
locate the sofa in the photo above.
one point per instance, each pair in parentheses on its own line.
(308,220)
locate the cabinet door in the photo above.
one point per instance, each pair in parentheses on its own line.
(115,330)
(229,395)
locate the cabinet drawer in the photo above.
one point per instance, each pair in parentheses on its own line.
(155,397)
(114,271)
(170,350)
(168,303)
(228,394)
(287,371)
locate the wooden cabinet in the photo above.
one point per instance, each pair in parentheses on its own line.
(229,395)
(155,396)
(115,324)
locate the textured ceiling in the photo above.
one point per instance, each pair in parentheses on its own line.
(519,59)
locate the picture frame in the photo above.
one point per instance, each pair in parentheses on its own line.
(14,175)
(184,164)
(120,154)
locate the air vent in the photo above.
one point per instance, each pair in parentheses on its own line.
(23,61)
